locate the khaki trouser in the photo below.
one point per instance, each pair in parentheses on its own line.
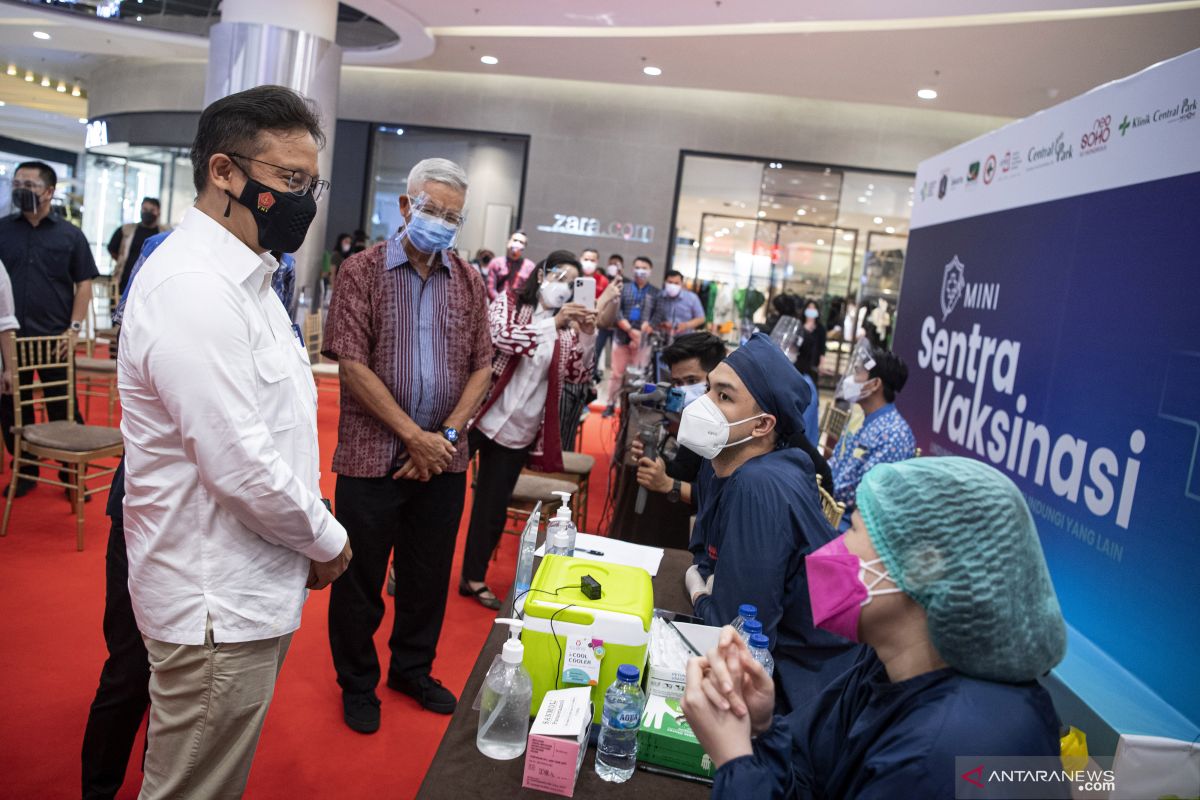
(207,706)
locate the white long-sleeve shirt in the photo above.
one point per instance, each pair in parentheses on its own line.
(515,418)
(222,502)
(8,308)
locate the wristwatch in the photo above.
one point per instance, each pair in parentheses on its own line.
(451,435)
(673,495)
(76,326)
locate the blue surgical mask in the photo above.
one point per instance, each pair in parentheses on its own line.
(680,397)
(430,234)
(811,313)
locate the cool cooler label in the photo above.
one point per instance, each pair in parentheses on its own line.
(581,664)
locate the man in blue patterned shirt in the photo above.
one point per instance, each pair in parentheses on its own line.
(883,437)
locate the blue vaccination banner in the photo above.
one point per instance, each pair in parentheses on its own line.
(1049,319)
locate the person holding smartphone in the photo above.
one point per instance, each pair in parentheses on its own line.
(542,343)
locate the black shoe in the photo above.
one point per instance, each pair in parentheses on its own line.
(428,691)
(23,488)
(483,594)
(608,412)
(361,711)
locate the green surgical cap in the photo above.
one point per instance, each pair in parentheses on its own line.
(957,537)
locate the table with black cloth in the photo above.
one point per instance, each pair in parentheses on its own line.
(459,770)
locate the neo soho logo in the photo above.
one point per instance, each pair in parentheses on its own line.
(955,288)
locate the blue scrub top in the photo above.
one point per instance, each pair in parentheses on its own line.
(871,739)
(752,531)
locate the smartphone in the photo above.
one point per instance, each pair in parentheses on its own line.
(585,293)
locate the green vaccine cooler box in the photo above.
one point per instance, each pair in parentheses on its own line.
(572,640)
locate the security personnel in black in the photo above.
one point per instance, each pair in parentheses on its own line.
(51,268)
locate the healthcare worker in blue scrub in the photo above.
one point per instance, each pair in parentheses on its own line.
(759,514)
(942,574)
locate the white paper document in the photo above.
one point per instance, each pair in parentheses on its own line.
(614,551)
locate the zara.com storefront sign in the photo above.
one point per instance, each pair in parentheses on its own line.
(593,228)
(1047,319)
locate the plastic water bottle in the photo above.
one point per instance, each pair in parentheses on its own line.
(616,749)
(751,627)
(746,612)
(760,653)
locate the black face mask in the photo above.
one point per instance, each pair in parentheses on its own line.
(24,200)
(149,219)
(282,217)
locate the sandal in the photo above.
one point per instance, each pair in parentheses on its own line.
(488,601)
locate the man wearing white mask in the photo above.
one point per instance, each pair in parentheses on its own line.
(638,301)
(760,514)
(884,437)
(678,310)
(511,268)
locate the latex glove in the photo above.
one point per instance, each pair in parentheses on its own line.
(696,584)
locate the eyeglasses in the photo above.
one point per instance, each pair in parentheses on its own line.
(299,181)
(427,207)
(36,186)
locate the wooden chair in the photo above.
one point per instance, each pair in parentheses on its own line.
(98,326)
(314,341)
(833,425)
(97,377)
(75,446)
(833,510)
(531,489)
(577,470)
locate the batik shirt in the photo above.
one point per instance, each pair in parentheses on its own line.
(884,438)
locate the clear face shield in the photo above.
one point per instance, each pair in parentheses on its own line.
(860,359)
(788,335)
(430,227)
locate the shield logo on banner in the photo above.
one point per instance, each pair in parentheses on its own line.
(953,285)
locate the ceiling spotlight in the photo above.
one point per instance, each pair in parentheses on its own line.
(2,103)
(878,220)
(12,69)
(41,35)
(821,197)
(399,131)
(741,224)
(847,237)
(870,186)
(800,212)
(653,72)
(75,91)
(46,80)
(83,120)
(29,76)
(139,19)
(820,242)
(927,94)
(889,229)
(489,60)
(762,214)
(862,199)
(62,87)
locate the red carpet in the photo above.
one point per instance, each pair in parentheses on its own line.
(53,648)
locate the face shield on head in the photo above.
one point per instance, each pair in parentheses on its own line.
(849,388)
(431,229)
(555,292)
(788,334)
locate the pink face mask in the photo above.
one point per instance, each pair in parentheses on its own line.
(838,588)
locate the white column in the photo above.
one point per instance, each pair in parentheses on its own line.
(289,43)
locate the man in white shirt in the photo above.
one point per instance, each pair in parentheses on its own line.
(224,523)
(8,333)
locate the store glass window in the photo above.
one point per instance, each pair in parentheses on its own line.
(495,164)
(748,231)
(116,180)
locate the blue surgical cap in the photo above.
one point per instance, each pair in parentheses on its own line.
(774,383)
(957,536)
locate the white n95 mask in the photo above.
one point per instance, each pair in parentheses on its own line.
(554,294)
(704,430)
